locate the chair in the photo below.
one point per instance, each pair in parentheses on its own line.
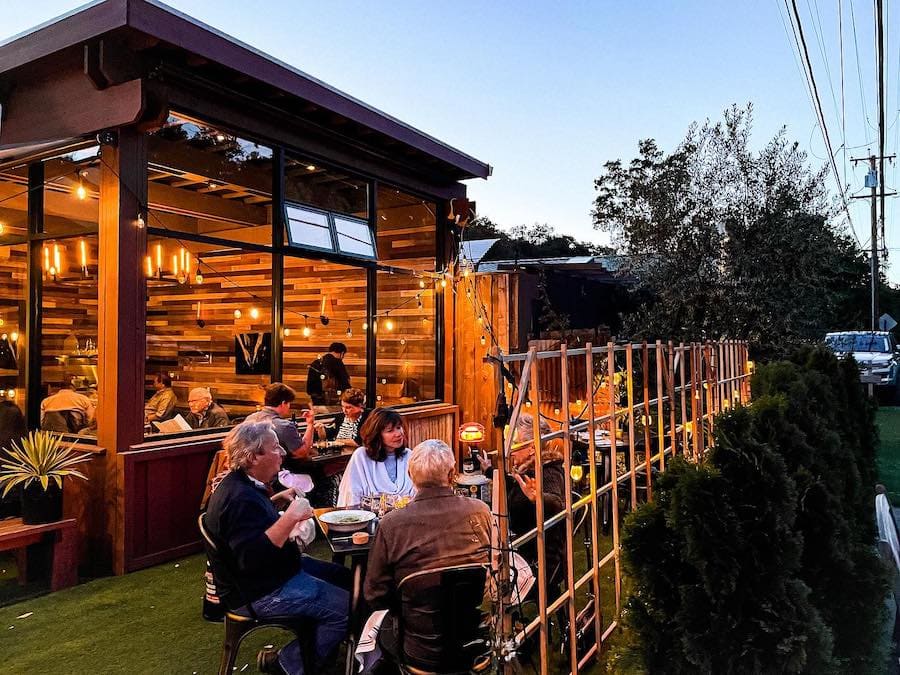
(446,602)
(239,626)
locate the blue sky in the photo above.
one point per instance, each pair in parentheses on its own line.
(546,92)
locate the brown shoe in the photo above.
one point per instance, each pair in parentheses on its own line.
(267,662)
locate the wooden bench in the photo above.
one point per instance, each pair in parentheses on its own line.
(17,536)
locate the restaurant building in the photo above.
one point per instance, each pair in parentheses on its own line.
(174,201)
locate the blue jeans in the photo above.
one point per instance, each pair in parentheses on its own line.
(319,591)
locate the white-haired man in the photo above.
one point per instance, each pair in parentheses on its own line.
(438,528)
(205,413)
(271,573)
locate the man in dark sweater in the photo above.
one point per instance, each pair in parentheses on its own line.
(438,529)
(205,413)
(271,573)
(327,376)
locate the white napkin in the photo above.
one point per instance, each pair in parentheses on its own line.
(368,653)
(298,481)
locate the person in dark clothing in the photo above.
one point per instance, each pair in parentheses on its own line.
(271,573)
(327,376)
(205,413)
(12,430)
(522,493)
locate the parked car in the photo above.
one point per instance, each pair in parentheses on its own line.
(875,352)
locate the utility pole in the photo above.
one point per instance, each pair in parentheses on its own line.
(873,180)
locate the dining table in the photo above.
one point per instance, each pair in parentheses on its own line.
(342,548)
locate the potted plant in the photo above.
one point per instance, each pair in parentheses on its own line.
(38,463)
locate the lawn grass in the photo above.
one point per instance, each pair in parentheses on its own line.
(888,459)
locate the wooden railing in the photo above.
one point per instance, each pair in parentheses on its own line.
(646,404)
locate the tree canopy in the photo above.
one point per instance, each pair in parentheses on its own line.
(729,241)
(539,240)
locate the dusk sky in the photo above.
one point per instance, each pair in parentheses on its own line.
(547,92)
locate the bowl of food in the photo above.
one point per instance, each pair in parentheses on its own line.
(350,520)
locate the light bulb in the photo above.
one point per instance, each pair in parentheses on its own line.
(349,332)
(388,324)
(220,137)
(483,341)
(556,411)
(15,336)
(2,322)
(577,472)
(254,313)
(1,228)
(402,341)
(80,192)
(11,393)
(443,283)
(198,278)
(365,326)
(421,283)
(307,331)
(310,167)
(287,332)
(383,380)
(237,314)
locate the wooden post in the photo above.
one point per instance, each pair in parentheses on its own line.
(121,318)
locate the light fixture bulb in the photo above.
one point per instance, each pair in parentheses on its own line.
(483,341)
(310,167)
(220,137)
(307,331)
(2,322)
(349,332)
(443,283)
(1,228)
(365,326)
(15,336)
(577,472)
(388,324)
(254,313)
(421,283)
(237,314)
(80,192)
(11,393)
(140,221)
(182,277)
(287,332)
(198,278)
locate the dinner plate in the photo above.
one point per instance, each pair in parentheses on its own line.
(347,520)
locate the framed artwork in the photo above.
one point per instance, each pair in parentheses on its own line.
(252,353)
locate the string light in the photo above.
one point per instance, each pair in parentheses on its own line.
(80,192)
(349,330)
(306,331)
(421,283)
(198,278)
(287,332)
(483,341)
(254,313)
(237,314)
(388,324)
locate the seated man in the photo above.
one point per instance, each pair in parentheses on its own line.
(78,410)
(271,573)
(161,405)
(437,529)
(205,414)
(278,401)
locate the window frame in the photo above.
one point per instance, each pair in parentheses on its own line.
(330,217)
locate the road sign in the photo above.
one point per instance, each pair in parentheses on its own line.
(886,322)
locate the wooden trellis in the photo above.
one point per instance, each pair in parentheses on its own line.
(645,402)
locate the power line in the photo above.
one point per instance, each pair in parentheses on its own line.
(800,39)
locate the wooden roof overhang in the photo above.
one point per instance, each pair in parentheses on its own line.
(115,63)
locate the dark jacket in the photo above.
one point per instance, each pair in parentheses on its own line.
(238,516)
(523,517)
(215,416)
(326,378)
(438,529)
(331,432)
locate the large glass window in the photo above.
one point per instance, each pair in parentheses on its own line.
(69,354)
(405,338)
(323,303)
(308,182)
(205,180)
(209,322)
(406,230)
(13,293)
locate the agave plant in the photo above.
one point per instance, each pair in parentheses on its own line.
(39,458)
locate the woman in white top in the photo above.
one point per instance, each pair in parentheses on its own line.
(380,465)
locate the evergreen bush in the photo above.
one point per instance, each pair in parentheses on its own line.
(762,558)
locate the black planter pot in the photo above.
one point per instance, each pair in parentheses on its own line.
(41,506)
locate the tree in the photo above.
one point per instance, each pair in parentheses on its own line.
(729,241)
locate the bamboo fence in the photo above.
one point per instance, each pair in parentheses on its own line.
(644,402)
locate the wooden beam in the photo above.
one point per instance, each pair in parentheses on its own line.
(121,317)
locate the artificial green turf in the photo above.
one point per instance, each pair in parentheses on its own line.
(144,622)
(888,459)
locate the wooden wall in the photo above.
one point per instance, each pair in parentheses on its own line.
(474,380)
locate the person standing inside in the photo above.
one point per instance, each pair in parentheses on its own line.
(327,376)
(161,405)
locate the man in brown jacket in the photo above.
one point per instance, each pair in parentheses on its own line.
(437,529)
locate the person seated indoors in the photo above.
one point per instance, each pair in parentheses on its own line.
(438,528)
(347,424)
(327,376)
(205,413)
(380,465)
(67,410)
(271,573)
(161,405)
(278,400)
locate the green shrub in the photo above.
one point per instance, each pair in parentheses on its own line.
(761,559)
